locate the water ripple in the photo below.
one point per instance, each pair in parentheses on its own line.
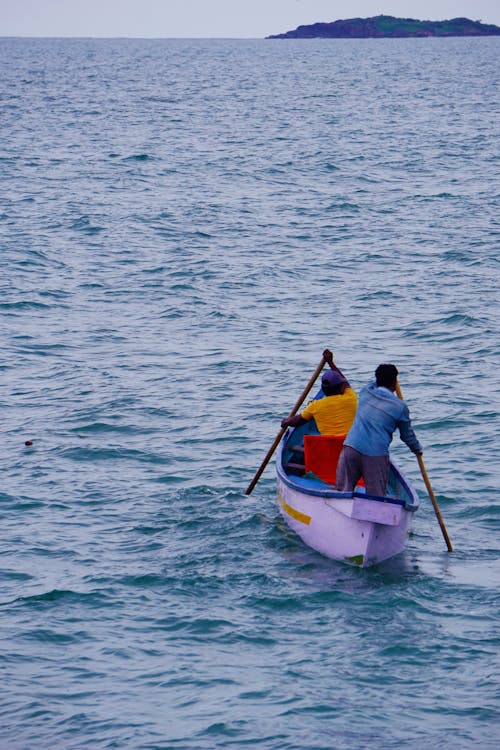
(185,225)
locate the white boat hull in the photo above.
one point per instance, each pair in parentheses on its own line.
(352,527)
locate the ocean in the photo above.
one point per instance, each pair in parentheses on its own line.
(185,225)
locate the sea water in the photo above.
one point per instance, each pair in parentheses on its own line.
(185,226)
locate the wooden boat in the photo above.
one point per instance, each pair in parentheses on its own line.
(353,527)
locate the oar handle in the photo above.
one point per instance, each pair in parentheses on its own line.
(308,387)
(280,434)
(429,488)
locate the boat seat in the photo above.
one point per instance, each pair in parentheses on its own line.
(294,468)
(321,455)
(295,463)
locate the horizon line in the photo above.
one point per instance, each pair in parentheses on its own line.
(236,38)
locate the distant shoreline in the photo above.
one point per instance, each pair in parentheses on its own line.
(389,27)
(37,37)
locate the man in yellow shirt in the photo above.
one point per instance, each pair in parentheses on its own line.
(334,414)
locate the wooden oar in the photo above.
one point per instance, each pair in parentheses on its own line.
(280,434)
(429,488)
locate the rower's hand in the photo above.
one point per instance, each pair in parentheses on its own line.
(328,356)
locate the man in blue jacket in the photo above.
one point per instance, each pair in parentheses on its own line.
(366,447)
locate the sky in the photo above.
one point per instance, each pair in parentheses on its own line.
(213,18)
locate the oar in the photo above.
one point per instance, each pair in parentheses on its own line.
(429,489)
(283,429)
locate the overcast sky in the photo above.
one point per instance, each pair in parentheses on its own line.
(213,18)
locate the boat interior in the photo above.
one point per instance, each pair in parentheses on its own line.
(309,460)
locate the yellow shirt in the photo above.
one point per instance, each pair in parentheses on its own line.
(334,415)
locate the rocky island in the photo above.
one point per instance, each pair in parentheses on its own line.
(389,27)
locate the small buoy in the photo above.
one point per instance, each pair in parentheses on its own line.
(29,442)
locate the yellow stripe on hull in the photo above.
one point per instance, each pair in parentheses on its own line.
(294,513)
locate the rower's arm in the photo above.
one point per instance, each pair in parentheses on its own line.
(294,421)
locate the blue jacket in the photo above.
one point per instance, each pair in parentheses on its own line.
(379,413)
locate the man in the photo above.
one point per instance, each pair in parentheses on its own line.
(334,414)
(366,447)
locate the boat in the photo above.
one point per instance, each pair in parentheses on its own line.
(353,527)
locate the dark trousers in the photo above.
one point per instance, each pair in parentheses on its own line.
(353,465)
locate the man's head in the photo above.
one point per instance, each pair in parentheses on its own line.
(386,376)
(333,383)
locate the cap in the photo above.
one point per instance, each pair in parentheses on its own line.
(332,377)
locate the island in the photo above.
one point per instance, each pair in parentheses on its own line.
(380,27)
